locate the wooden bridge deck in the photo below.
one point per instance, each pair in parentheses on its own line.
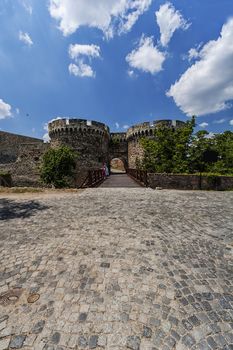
(119,180)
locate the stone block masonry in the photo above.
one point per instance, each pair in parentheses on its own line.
(93,142)
(190,182)
(10,145)
(21,157)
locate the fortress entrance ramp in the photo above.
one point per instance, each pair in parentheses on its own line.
(119,180)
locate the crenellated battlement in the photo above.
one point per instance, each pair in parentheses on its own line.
(74,126)
(95,144)
(91,141)
(83,126)
(118,136)
(147,128)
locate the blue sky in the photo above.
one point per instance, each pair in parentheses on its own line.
(119,62)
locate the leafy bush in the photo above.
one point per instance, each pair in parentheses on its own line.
(58,166)
(178,151)
(168,151)
(114,141)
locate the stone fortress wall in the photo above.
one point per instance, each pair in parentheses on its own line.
(89,138)
(21,156)
(11,144)
(92,141)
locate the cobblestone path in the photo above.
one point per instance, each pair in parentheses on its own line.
(117,269)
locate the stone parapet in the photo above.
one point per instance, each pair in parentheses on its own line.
(190,182)
(71,126)
(147,128)
(118,136)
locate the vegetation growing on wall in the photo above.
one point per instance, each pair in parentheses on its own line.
(168,151)
(180,151)
(58,166)
(114,141)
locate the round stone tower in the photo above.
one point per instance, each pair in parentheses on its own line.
(135,150)
(95,145)
(90,139)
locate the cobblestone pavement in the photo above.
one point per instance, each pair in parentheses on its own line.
(117,269)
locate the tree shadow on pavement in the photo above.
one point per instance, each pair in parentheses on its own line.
(12,209)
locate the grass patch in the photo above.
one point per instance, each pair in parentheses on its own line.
(20,190)
(36,190)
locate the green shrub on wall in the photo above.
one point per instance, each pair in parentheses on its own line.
(58,166)
(114,141)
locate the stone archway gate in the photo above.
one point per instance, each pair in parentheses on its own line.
(96,145)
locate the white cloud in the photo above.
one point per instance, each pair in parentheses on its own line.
(53,120)
(210,135)
(207,86)
(45,126)
(131,73)
(193,54)
(81,70)
(46,137)
(219,121)
(25,38)
(146,57)
(203,125)
(110,16)
(231,122)
(117,125)
(5,109)
(17,111)
(125,127)
(77,50)
(27,5)
(169,20)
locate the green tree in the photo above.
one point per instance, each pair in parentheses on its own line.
(168,151)
(224,147)
(203,152)
(212,154)
(182,140)
(177,150)
(58,166)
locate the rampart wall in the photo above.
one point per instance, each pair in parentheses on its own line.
(93,142)
(89,139)
(21,156)
(10,145)
(190,182)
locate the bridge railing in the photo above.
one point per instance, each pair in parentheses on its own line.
(5,180)
(139,175)
(93,178)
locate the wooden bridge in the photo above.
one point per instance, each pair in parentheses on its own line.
(120,180)
(133,178)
